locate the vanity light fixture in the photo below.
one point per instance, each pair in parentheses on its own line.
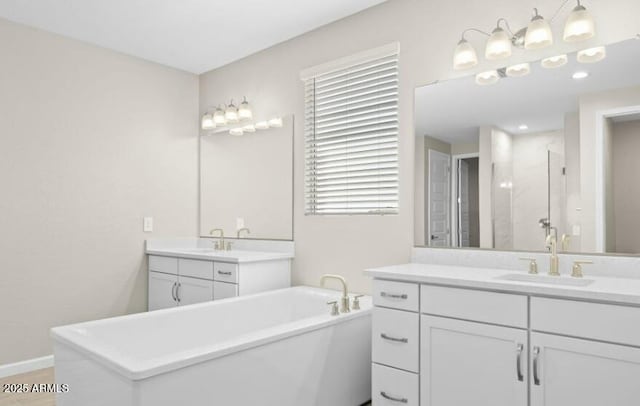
(580,75)
(275,122)
(262,125)
(499,44)
(539,33)
(465,56)
(249,128)
(554,61)
(207,122)
(236,131)
(519,70)
(231,113)
(592,55)
(487,78)
(218,117)
(244,111)
(580,25)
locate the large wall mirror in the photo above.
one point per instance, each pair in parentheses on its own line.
(247,181)
(556,152)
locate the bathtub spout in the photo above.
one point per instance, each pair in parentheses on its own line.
(344,301)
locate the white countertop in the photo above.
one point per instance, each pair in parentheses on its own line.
(235,256)
(618,290)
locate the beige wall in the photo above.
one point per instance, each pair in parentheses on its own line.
(626,189)
(90,142)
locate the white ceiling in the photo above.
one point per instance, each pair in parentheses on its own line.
(453,110)
(192,35)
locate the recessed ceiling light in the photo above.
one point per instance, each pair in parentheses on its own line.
(523,127)
(580,75)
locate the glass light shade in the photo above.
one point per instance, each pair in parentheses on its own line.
(249,128)
(465,56)
(231,113)
(498,45)
(487,78)
(218,117)
(236,131)
(519,70)
(207,122)
(554,61)
(592,55)
(539,34)
(244,111)
(261,125)
(580,25)
(275,122)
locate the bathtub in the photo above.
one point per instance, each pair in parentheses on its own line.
(280,348)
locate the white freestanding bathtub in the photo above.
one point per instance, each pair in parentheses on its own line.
(278,348)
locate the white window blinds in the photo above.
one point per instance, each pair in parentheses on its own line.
(351,137)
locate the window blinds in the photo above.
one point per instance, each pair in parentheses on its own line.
(351,137)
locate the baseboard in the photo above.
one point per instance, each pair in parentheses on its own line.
(26,366)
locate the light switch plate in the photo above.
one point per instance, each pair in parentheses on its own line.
(239,223)
(147,224)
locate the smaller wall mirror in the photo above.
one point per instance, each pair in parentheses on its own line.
(247,181)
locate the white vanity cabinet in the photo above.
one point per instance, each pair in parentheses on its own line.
(176,281)
(448,346)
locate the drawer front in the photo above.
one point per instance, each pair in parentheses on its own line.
(225,272)
(617,324)
(395,340)
(224,290)
(196,269)
(391,386)
(475,305)
(397,295)
(163,264)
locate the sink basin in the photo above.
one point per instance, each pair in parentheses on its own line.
(547,280)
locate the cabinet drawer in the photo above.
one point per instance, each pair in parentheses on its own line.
(395,339)
(196,269)
(224,290)
(391,386)
(475,305)
(225,272)
(617,324)
(163,264)
(397,295)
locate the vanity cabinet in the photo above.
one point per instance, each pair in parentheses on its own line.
(176,281)
(501,349)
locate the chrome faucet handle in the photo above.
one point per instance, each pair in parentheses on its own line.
(533,265)
(228,246)
(576,270)
(334,307)
(356,302)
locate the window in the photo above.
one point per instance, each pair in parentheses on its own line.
(351,135)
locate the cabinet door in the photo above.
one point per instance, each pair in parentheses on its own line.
(223,290)
(162,290)
(467,363)
(193,290)
(570,371)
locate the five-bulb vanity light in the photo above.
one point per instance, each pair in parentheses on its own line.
(238,120)
(579,26)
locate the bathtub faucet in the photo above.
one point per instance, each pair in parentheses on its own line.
(344,302)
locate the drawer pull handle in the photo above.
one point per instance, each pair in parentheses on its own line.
(224,273)
(536,375)
(393,398)
(178,292)
(519,362)
(173,291)
(398,340)
(394,295)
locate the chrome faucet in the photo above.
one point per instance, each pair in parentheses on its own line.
(344,301)
(552,243)
(241,230)
(219,245)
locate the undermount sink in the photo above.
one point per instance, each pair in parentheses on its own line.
(549,280)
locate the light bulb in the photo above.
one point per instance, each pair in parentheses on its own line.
(580,25)
(249,128)
(236,131)
(218,117)
(580,75)
(465,56)
(538,34)
(487,78)
(554,61)
(498,45)
(244,111)
(231,113)
(518,70)
(592,55)
(207,122)
(275,122)
(262,125)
